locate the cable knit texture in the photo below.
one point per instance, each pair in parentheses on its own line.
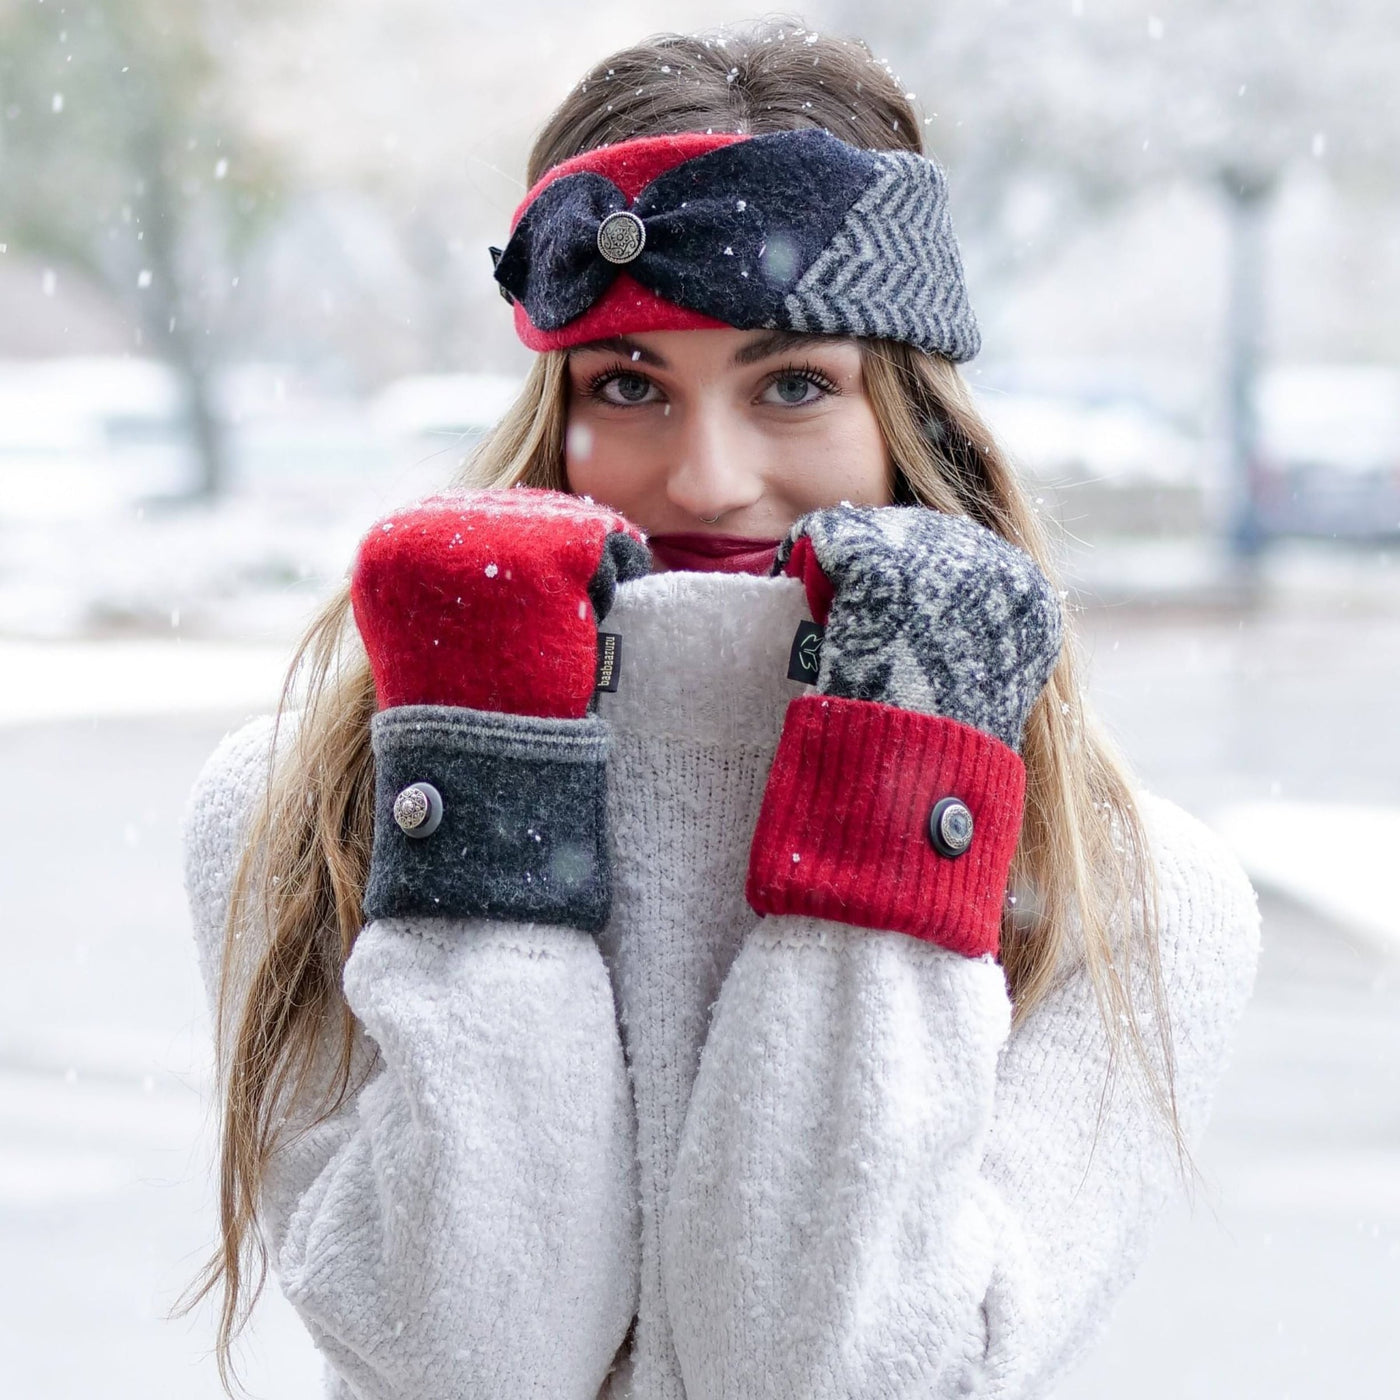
(827,1167)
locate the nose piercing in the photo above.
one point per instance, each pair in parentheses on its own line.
(710,519)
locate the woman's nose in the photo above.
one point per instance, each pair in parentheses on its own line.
(715,472)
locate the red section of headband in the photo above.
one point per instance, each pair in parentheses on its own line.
(632,165)
(627,305)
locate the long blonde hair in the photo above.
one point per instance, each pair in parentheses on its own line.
(1082,878)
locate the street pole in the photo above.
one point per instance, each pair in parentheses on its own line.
(1247,198)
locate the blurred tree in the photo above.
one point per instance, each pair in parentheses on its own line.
(122,157)
(1051,112)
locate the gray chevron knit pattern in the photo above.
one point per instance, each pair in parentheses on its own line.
(893,269)
(932,612)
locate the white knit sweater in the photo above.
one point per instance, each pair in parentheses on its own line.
(810,1159)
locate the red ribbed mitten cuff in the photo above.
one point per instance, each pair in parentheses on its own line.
(844,833)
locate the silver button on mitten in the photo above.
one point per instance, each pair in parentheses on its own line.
(418,809)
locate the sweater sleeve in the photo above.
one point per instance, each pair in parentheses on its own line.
(465,1223)
(882,1190)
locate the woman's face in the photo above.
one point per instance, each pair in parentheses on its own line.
(724,431)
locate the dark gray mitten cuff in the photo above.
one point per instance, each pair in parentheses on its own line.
(483,814)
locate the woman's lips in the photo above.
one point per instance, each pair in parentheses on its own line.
(714,554)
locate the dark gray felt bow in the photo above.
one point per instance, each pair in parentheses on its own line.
(728,233)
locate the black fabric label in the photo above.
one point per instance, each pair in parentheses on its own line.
(805,659)
(609,660)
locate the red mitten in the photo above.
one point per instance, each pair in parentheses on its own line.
(491,599)
(895,798)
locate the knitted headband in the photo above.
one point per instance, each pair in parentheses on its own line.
(795,230)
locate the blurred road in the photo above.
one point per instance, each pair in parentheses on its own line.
(1284,1279)
(106,1209)
(1281,1285)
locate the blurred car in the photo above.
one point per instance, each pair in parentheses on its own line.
(1057,437)
(443,409)
(1329,451)
(1104,464)
(82,435)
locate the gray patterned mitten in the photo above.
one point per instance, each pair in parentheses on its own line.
(926,611)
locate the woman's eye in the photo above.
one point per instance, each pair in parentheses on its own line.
(626,388)
(792,389)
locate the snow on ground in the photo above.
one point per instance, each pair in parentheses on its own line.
(105,1129)
(93,537)
(1281,1280)
(1336,858)
(252,568)
(74,680)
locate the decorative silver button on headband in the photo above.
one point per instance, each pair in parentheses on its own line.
(621,236)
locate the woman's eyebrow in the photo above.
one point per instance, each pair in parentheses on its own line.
(769,343)
(777,342)
(624,346)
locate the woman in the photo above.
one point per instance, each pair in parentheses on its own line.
(729,1002)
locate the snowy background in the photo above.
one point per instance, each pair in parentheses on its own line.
(244,309)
